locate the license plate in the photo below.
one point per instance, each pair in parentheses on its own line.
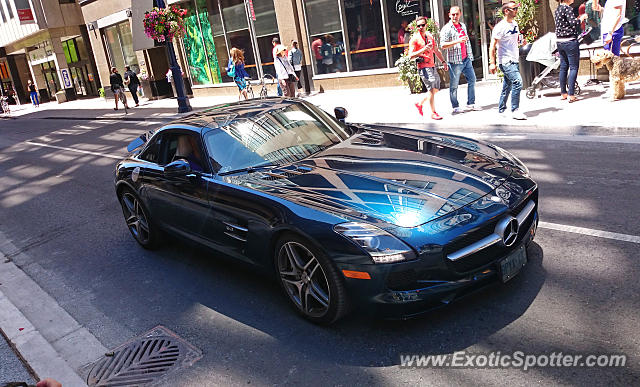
(511,265)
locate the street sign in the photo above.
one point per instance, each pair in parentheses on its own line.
(66,78)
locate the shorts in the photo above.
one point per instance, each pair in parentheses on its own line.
(429,77)
(241,83)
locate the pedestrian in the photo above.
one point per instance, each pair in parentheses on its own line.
(295,58)
(505,37)
(422,46)
(568,47)
(286,74)
(316,46)
(117,86)
(611,25)
(459,55)
(235,69)
(132,82)
(33,92)
(275,42)
(594,16)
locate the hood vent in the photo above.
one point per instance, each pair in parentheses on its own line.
(369,138)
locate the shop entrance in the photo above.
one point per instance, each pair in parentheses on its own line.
(81,82)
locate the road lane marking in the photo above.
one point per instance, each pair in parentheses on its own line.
(591,232)
(75,150)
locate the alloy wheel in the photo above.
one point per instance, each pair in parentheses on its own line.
(136,219)
(304,279)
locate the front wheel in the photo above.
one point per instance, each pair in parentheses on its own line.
(138,221)
(310,280)
(250,92)
(577,90)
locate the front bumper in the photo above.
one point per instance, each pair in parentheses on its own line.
(424,294)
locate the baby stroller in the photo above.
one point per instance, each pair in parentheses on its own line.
(545,52)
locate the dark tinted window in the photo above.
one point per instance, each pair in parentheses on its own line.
(152,152)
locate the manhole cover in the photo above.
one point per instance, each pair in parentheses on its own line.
(143,360)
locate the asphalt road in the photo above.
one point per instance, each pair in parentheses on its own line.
(577,295)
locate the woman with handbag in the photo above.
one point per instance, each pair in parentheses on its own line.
(567,30)
(235,69)
(285,72)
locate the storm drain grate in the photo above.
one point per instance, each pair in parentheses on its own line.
(143,360)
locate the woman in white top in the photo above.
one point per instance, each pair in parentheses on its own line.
(285,72)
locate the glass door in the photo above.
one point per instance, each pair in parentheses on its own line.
(489,13)
(471,16)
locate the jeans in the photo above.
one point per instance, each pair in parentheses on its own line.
(455,70)
(512,81)
(569,62)
(34,98)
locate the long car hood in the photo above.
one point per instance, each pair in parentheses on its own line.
(390,177)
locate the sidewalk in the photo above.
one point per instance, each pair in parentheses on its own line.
(395,105)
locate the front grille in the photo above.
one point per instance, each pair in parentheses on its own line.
(489,254)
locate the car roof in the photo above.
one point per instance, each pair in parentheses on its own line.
(225,114)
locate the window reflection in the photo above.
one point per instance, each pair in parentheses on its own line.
(366,38)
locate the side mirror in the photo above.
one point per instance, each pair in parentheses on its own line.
(177,168)
(340,113)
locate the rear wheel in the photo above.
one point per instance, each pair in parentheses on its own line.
(577,90)
(310,280)
(138,221)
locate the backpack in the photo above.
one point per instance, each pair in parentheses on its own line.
(231,69)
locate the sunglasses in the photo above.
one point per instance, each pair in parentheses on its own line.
(514,9)
(420,25)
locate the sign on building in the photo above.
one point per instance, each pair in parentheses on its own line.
(25,14)
(66,78)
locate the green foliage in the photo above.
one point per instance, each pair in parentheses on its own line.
(526,19)
(408,73)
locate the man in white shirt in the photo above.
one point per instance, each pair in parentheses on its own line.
(505,37)
(611,25)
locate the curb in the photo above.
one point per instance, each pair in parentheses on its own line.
(48,340)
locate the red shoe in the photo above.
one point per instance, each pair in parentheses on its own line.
(419,107)
(435,116)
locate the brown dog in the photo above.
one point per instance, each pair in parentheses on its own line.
(621,70)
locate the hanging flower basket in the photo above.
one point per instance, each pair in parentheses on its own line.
(163,24)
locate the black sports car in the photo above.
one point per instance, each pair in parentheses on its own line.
(398,220)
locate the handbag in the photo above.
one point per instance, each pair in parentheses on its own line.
(292,78)
(419,59)
(232,71)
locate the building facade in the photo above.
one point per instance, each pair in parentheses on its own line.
(45,41)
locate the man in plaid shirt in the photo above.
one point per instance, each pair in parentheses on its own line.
(457,51)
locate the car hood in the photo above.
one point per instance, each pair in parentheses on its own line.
(386,177)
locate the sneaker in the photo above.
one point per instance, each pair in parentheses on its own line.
(435,116)
(457,110)
(517,115)
(473,108)
(419,107)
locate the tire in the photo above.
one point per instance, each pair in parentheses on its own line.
(263,92)
(577,90)
(250,93)
(531,92)
(138,221)
(310,281)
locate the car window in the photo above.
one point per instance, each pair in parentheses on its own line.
(277,136)
(152,151)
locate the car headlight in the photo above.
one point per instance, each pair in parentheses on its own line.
(381,245)
(513,159)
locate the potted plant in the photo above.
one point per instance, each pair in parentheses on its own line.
(162,24)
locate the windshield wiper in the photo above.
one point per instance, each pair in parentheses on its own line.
(250,169)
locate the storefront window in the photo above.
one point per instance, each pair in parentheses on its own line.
(119,46)
(399,15)
(266,28)
(633,14)
(326,39)
(70,52)
(366,37)
(236,24)
(200,47)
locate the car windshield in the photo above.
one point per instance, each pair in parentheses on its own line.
(285,133)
